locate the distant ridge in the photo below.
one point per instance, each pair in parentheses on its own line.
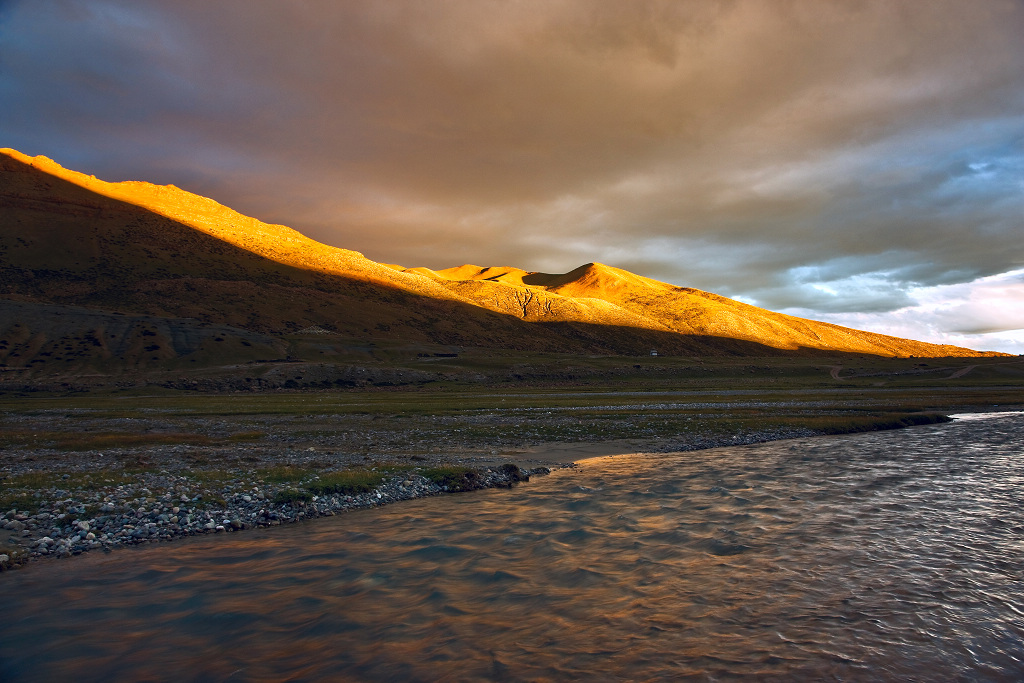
(70,239)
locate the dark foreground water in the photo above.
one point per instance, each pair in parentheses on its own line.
(885,556)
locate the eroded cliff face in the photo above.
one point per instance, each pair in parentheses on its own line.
(132,247)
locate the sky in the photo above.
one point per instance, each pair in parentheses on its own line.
(855,161)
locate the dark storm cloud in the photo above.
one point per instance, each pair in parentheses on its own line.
(822,155)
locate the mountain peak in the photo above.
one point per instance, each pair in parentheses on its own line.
(71,239)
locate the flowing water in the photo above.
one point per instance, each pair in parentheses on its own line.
(883,556)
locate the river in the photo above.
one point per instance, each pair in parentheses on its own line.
(882,556)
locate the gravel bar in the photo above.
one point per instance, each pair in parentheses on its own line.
(132,508)
(163,506)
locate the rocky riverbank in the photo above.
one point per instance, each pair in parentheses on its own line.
(70,519)
(67,514)
(77,479)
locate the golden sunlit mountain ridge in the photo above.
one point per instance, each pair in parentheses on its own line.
(72,241)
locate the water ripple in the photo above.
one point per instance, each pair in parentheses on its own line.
(896,555)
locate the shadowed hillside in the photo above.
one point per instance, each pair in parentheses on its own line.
(97,248)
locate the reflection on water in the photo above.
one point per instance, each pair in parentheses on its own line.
(894,555)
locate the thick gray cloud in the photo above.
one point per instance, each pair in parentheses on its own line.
(828,157)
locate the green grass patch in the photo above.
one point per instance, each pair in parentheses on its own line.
(455,477)
(347,482)
(594,380)
(854,424)
(17,501)
(291,496)
(89,441)
(825,424)
(33,480)
(280,474)
(354,480)
(90,481)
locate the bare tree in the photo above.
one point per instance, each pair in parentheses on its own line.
(523,297)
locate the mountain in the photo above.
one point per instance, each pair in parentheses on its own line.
(77,254)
